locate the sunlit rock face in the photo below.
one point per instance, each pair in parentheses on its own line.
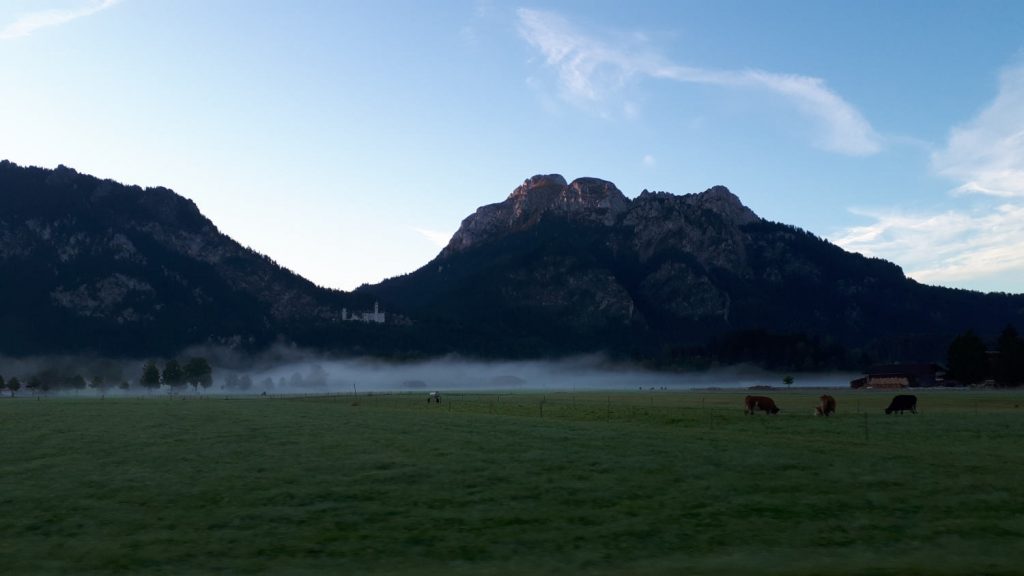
(587,200)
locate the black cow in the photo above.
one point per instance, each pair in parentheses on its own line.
(901,403)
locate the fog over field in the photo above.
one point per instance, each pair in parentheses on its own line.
(292,371)
(454,374)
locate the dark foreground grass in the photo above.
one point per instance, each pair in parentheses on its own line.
(630,483)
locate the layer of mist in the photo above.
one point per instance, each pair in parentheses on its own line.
(451,374)
(290,371)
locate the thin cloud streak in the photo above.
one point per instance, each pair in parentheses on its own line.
(439,239)
(986,157)
(590,69)
(29,23)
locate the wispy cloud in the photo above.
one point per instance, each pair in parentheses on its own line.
(589,69)
(985,235)
(944,248)
(439,239)
(28,23)
(986,155)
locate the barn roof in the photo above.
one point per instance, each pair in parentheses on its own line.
(905,369)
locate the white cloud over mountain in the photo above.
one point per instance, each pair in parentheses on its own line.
(591,68)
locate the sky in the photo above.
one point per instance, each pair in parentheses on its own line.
(347,140)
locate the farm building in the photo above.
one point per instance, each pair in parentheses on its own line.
(911,375)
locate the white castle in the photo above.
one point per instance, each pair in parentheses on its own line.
(376,316)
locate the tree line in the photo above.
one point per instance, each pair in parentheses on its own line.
(194,372)
(176,374)
(970,360)
(47,380)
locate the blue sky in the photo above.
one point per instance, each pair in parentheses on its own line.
(347,140)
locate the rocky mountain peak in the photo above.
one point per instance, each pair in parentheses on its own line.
(585,199)
(592,201)
(719,199)
(538,184)
(550,192)
(589,194)
(535,195)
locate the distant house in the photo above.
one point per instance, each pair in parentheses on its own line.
(911,375)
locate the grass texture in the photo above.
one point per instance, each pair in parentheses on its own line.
(643,482)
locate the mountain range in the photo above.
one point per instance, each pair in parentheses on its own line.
(557,268)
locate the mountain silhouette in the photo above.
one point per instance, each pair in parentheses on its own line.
(94,266)
(90,265)
(561,268)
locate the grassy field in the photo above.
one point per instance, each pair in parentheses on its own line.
(628,483)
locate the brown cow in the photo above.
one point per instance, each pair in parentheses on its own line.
(826,406)
(765,403)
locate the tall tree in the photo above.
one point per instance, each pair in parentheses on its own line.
(150,375)
(38,383)
(2,384)
(1010,366)
(77,382)
(13,385)
(967,358)
(174,376)
(198,373)
(99,383)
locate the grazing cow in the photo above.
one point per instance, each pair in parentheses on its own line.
(434,397)
(752,403)
(901,403)
(826,406)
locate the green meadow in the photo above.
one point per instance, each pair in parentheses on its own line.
(641,482)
